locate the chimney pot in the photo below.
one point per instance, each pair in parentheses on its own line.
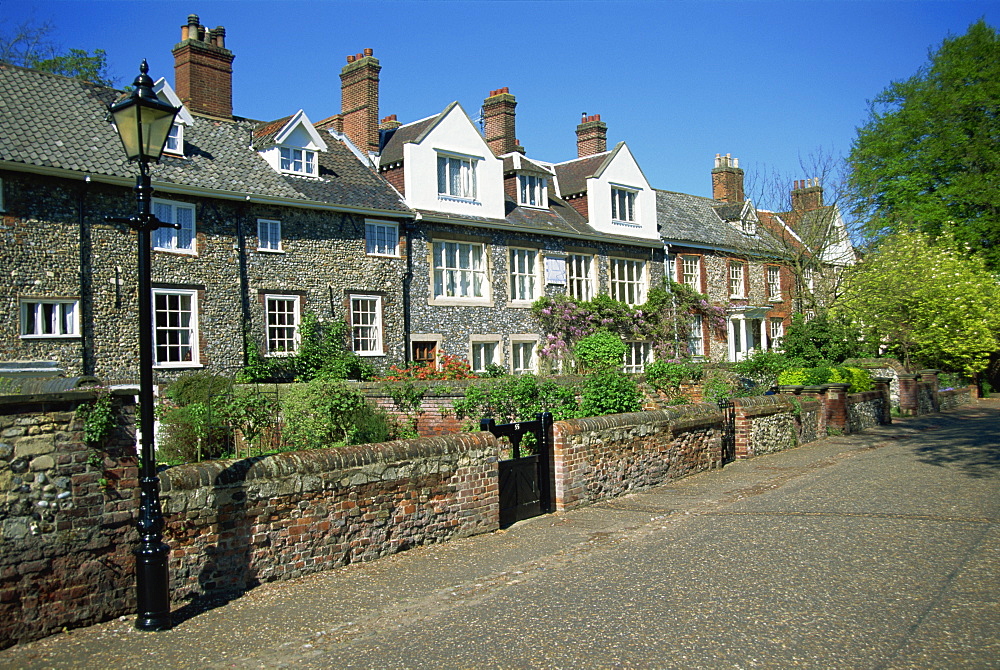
(350,59)
(369,52)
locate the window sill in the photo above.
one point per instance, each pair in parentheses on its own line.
(270,251)
(455,198)
(776,298)
(369,354)
(177,366)
(176,252)
(50,337)
(626,224)
(396,255)
(280,354)
(461,302)
(524,204)
(521,304)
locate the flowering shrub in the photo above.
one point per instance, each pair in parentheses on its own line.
(668,375)
(449,367)
(664,319)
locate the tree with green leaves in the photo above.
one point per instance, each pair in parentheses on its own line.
(30,45)
(930,302)
(929,154)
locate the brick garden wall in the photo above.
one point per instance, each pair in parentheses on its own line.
(768,424)
(606,456)
(66,517)
(234,524)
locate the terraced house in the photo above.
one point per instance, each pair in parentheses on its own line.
(426,238)
(276,219)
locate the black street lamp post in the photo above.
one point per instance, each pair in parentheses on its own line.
(143,123)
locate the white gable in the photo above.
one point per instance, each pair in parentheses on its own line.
(299,133)
(621,172)
(165,93)
(453,135)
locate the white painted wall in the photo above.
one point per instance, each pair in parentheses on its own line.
(456,134)
(623,171)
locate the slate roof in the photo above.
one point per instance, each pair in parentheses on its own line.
(685,218)
(517,162)
(573,175)
(51,121)
(392,152)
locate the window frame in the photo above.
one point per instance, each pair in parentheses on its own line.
(776,337)
(467,181)
(435,351)
(57,318)
(378,338)
(696,336)
(739,266)
(629,360)
(586,282)
(309,161)
(162,234)
(640,283)
(631,201)
(192,329)
(178,137)
(773,288)
(537,186)
(441,274)
(516,354)
(517,276)
(373,226)
(296,338)
(682,270)
(269,224)
(480,342)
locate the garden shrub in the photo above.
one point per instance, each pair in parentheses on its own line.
(764,367)
(859,379)
(322,413)
(323,353)
(516,398)
(191,433)
(668,375)
(600,352)
(610,392)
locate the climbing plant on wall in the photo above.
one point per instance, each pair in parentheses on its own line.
(664,319)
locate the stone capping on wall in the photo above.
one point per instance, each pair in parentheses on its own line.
(315,461)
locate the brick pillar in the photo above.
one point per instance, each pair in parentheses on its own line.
(359,100)
(203,70)
(836,407)
(727,179)
(931,377)
(881,386)
(790,389)
(908,401)
(591,136)
(741,427)
(498,118)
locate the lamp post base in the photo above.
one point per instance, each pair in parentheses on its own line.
(152,596)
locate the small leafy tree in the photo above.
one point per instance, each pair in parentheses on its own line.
(30,45)
(323,352)
(932,302)
(321,413)
(824,339)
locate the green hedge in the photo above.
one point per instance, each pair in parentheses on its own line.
(859,380)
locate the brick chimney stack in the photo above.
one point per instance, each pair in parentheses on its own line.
(359,100)
(498,115)
(591,136)
(389,123)
(807,195)
(203,70)
(727,179)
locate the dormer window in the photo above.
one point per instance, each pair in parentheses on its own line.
(749,226)
(456,177)
(622,205)
(175,140)
(298,161)
(532,191)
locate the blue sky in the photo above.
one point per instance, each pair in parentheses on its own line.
(767,82)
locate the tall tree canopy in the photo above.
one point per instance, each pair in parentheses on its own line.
(932,302)
(930,152)
(30,45)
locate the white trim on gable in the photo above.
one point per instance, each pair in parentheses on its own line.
(299,119)
(163,91)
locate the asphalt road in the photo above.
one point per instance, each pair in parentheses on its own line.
(879,550)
